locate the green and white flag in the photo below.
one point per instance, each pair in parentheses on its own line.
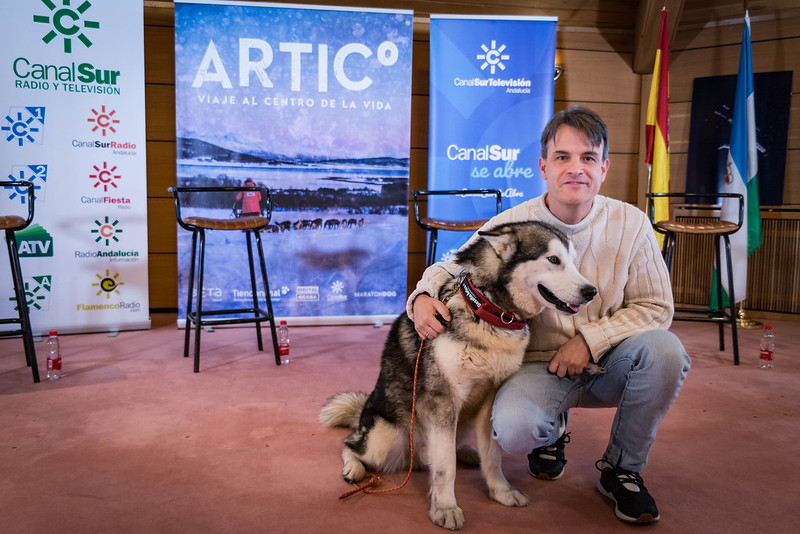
(741,176)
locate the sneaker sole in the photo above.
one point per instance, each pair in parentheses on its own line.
(641,520)
(546,476)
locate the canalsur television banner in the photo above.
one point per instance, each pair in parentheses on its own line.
(491,94)
(72,114)
(315,104)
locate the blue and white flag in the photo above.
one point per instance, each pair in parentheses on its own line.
(491,94)
(741,174)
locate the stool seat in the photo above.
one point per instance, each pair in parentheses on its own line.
(196,316)
(242,223)
(706,227)
(432,225)
(10,224)
(457,226)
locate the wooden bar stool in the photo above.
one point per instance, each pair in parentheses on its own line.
(433,225)
(251,225)
(12,224)
(720,231)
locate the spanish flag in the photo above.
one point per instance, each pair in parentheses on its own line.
(657,127)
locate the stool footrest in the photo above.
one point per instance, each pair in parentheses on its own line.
(261,316)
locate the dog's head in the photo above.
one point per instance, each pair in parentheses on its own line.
(527,267)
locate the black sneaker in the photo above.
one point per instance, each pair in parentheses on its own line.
(548,462)
(626,488)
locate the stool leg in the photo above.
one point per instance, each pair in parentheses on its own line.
(269,300)
(22,306)
(199,313)
(190,290)
(667,249)
(731,302)
(718,282)
(432,241)
(253,284)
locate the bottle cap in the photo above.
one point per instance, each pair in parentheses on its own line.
(284,322)
(768,327)
(53,333)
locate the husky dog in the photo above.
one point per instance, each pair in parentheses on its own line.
(508,275)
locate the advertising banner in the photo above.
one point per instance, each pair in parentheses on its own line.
(73,123)
(315,104)
(491,94)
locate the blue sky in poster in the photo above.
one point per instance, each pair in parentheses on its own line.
(363,110)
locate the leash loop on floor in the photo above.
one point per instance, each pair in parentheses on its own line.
(375,480)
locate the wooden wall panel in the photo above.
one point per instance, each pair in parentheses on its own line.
(161,226)
(163,274)
(591,76)
(768,56)
(160,103)
(159,54)
(160,168)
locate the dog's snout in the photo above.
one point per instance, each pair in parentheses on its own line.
(588,292)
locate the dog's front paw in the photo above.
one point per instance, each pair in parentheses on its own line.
(510,496)
(451,518)
(353,471)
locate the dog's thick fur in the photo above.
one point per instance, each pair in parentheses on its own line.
(520,267)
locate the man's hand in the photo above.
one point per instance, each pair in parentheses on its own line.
(426,310)
(571,358)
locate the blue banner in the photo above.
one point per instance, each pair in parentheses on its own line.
(491,94)
(314,103)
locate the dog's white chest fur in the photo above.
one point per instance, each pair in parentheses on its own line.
(469,365)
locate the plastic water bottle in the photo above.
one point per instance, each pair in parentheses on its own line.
(283,342)
(53,357)
(767,348)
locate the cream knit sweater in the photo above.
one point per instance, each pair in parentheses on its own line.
(617,252)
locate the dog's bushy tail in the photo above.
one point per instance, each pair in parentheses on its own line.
(343,409)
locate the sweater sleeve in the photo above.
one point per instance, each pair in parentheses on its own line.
(646,298)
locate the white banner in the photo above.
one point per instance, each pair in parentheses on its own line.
(72,119)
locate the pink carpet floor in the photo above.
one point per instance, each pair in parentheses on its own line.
(131,440)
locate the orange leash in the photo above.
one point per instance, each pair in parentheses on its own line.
(375,480)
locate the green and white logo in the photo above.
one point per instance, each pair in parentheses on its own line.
(37,293)
(35,242)
(67,22)
(106,231)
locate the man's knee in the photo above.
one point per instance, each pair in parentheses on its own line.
(520,431)
(663,349)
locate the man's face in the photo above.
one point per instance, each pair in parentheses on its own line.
(574,170)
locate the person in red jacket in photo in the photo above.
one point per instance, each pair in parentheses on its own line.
(250,201)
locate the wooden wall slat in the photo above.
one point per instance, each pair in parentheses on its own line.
(612,79)
(160,168)
(162,271)
(768,56)
(160,112)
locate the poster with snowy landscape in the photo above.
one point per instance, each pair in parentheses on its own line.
(315,104)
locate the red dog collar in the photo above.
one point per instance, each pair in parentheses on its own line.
(487,311)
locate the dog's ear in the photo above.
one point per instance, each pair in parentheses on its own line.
(501,240)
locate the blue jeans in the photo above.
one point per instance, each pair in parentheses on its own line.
(643,376)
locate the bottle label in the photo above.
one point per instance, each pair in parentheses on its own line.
(766,355)
(283,349)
